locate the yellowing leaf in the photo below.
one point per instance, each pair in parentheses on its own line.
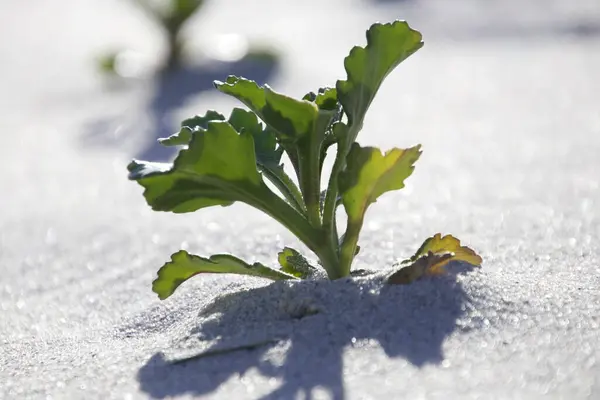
(432,257)
(448,243)
(419,268)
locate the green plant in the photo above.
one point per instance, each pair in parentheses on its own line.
(171,15)
(226,159)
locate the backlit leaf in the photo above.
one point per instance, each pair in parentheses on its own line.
(366,67)
(293,263)
(189,126)
(268,155)
(217,168)
(368,175)
(419,268)
(432,257)
(184,266)
(446,244)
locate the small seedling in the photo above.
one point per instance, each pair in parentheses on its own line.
(171,15)
(226,160)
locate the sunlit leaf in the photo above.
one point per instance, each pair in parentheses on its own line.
(189,126)
(366,67)
(268,155)
(289,117)
(325,98)
(184,266)
(448,243)
(368,175)
(217,168)
(419,268)
(293,263)
(433,256)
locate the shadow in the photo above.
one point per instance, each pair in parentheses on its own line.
(170,91)
(407,321)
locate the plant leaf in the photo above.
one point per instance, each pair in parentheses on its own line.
(290,118)
(432,257)
(368,175)
(293,263)
(265,142)
(184,266)
(268,155)
(300,127)
(387,46)
(419,267)
(325,98)
(450,244)
(189,126)
(331,110)
(218,168)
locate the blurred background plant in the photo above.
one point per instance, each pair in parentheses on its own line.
(172,16)
(172,78)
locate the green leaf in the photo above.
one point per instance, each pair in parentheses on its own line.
(268,155)
(184,266)
(265,141)
(290,118)
(325,98)
(293,263)
(299,126)
(330,111)
(387,46)
(189,126)
(368,175)
(218,168)
(432,257)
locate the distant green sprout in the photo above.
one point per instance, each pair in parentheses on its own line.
(226,160)
(171,15)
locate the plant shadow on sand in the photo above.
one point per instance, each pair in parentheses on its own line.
(407,321)
(170,91)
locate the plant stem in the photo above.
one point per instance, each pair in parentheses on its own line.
(174,50)
(310,181)
(273,205)
(348,248)
(329,259)
(286,186)
(329,223)
(315,239)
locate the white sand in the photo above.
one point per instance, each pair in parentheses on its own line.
(510,126)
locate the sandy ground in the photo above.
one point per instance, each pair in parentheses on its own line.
(504,100)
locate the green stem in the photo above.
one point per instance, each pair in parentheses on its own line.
(286,186)
(278,209)
(314,239)
(310,182)
(329,223)
(348,248)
